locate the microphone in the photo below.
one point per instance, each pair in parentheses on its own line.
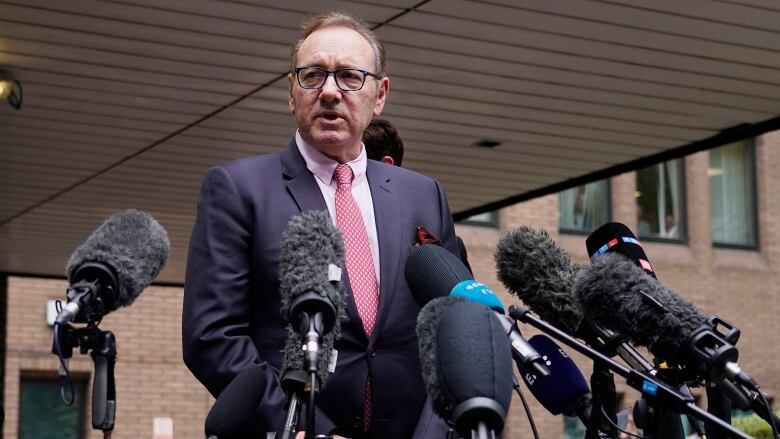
(525,356)
(433,271)
(427,326)
(466,365)
(565,390)
(620,295)
(618,238)
(541,274)
(232,413)
(111,268)
(310,267)
(533,268)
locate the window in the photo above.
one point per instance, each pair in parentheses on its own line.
(488,219)
(584,208)
(732,195)
(573,428)
(660,201)
(43,415)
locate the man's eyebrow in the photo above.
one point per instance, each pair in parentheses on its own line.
(338,65)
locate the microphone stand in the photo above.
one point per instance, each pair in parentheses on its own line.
(315,316)
(719,405)
(602,381)
(482,432)
(740,394)
(479,417)
(649,386)
(294,384)
(602,388)
(657,421)
(103,347)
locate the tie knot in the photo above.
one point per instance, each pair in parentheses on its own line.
(343,175)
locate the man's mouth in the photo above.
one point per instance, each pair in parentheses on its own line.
(330,116)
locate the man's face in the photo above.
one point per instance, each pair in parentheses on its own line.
(330,119)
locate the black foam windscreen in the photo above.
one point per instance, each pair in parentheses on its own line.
(311,243)
(618,238)
(619,295)
(133,244)
(427,326)
(541,274)
(231,416)
(312,248)
(432,271)
(474,359)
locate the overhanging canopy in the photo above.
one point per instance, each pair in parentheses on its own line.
(127,103)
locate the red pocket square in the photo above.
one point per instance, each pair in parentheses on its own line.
(425,237)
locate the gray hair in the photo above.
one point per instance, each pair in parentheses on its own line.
(342,19)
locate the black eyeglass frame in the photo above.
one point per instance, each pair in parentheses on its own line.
(365,73)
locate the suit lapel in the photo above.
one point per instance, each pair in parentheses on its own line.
(299,180)
(307,195)
(387,214)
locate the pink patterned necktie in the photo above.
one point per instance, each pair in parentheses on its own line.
(360,263)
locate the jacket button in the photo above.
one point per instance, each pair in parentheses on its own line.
(357,423)
(372,353)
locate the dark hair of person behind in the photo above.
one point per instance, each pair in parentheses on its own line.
(381,139)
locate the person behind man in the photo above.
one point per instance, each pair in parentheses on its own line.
(383,144)
(231,312)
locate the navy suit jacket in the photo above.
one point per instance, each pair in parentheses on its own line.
(232,319)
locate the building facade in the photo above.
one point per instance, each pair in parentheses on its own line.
(733,275)
(729,276)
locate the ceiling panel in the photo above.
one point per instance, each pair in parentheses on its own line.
(128,103)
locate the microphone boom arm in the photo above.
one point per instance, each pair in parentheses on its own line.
(643,382)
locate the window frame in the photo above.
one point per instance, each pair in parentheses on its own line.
(751,153)
(492,222)
(80,380)
(608,208)
(684,214)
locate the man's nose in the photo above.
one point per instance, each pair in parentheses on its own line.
(330,90)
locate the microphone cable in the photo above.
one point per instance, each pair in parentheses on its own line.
(769,409)
(64,372)
(528,414)
(516,386)
(608,419)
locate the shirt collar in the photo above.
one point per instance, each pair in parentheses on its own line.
(323,166)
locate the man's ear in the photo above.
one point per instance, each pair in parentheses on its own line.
(387,159)
(381,95)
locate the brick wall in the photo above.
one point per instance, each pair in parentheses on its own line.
(3,328)
(151,379)
(740,285)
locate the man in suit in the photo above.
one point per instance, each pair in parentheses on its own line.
(232,318)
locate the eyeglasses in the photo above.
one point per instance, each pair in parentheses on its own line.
(312,78)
